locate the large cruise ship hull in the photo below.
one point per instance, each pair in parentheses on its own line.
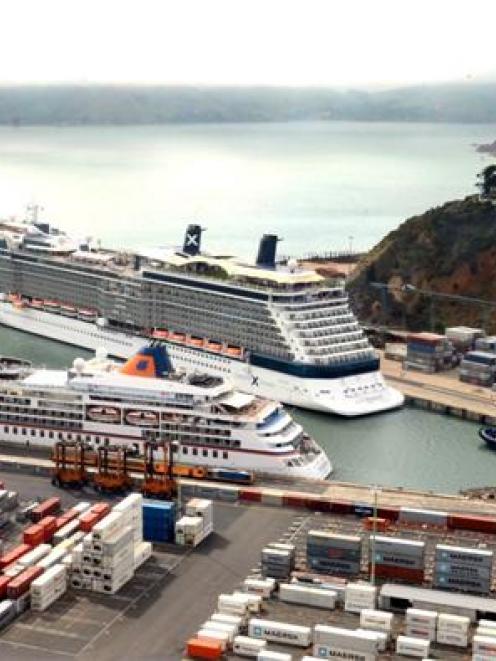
(350,396)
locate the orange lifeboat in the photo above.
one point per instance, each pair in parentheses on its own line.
(177,337)
(103,413)
(86,314)
(214,346)
(68,311)
(195,341)
(160,333)
(234,351)
(142,418)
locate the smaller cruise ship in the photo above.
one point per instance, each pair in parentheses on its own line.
(100,402)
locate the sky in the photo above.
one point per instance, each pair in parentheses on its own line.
(245,42)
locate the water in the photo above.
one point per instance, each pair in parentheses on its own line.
(140,185)
(409,448)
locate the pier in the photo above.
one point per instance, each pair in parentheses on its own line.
(441,392)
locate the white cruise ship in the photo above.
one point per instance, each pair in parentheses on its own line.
(99,402)
(275,331)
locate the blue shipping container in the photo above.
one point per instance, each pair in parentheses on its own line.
(158,521)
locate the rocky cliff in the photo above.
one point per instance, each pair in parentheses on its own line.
(450,250)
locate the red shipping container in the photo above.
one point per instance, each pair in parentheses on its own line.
(87,521)
(203,649)
(469,522)
(34,535)
(342,507)
(12,556)
(49,525)
(100,508)
(390,513)
(49,506)
(402,573)
(318,505)
(20,584)
(252,495)
(4,581)
(294,501)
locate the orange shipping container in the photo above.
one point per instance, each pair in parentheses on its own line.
(4,581)
(381,525)
(21,583)
(100,508)
(49,525)
(33,535)
(13,555)
(203,649)
(49,506)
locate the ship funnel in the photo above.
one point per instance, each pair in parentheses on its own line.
(192,239)
(267,251)
(152,362)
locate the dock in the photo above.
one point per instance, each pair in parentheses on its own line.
(441,392)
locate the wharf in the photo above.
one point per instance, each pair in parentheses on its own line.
(311,495)
(441,392)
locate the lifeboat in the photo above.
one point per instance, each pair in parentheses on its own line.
(196,341)
(68,311)
(51,306)
(142,418)
(87,315)
(234,351)
(160,333)
(214,346)
(103,414)
(177,337)
(36,303)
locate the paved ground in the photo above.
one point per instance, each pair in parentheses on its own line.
(161,607)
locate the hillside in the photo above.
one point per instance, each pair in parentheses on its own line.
(450,249)
(119,104)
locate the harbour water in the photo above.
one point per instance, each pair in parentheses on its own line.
(345,183)
(410,448)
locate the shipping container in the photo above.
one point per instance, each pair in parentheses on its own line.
(263,587)
(13,555)
(398,546)
(21,583)
(376,620)
(472,522)
(267,655)
(231,630)
(8,612)
(453,638)
(4,581)
(402,573)
(419,631)
(33,535)
(49,506)
(429,517)
(423,618)
(308,596)
(282,632)
(49,525)
(484,645)
(464,555)
(226,603)
(35,555)
(158,521)
(325,637)
(406,646)
(381,636)
(249,647)
(203,649)
(233,620)
(214,635)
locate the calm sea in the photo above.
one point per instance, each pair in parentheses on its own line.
(318,185)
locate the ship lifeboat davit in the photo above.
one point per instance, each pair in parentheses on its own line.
(177,337)
(142,418)
(103,414)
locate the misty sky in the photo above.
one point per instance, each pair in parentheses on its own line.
(291,42)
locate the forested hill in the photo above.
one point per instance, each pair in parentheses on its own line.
(106,104)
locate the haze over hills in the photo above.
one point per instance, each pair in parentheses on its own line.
(119,104)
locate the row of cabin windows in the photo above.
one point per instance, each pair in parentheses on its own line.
(205,452)
(23,431)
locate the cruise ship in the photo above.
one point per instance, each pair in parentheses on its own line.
(275,330)
(212,425)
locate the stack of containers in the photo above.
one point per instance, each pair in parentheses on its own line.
(333,554)
(466,569)
(229,604)
(421,623)
(92,516)
(307,596)
(463,337)
(131,509)
(277,563)
(264,587)
(48,587)
(359,596)
(398,558)
(34,556)
(331,642)
(452,629)
(158,521)
(478,368)
(18,588)
(197,523)
(428,352)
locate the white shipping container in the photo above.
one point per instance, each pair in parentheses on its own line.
(376,620)
(81,507)
(323,651)
(382,638)
(455,623)
(455,638)
(107,526)
(490,624)
(424,618)
(483,657)
(32,557)
(406,646)
(53,558)
(230,629)
(142,552)
(227,603)
(66,531)
(282,632)
(254,601)
(414,515)
(264,587)
(485,631)
(234,620)
(266,655)
(246,646)
(418,631)
(364,641)
(308,596)
(218,636)
(484,645)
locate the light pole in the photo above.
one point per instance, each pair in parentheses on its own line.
(375,491)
